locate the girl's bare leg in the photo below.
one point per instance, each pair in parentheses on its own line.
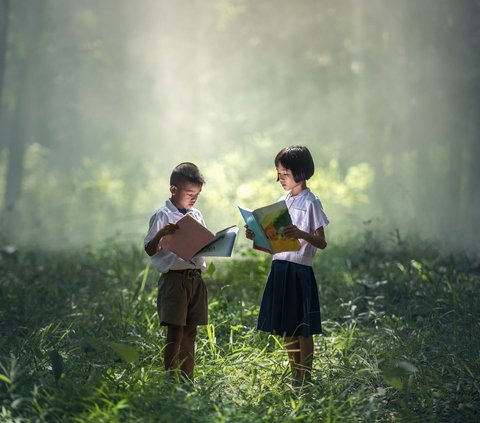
(306,357)
(294,357)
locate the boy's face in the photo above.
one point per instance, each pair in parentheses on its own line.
(185,195)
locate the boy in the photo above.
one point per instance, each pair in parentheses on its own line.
(182,293)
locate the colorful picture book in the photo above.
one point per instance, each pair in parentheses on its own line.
(192,239)
(268,224)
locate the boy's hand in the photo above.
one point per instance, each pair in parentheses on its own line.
(152,246)
(168,229)
(249,234)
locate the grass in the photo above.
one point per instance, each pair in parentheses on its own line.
(80,341)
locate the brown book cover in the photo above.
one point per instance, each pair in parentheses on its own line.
(192,239)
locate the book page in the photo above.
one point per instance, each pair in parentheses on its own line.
(260,241)
(221,245)
(273,219)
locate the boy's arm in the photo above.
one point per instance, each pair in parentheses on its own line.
(151,247)
(317,239)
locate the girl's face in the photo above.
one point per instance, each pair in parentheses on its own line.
(288,183)
(185,195)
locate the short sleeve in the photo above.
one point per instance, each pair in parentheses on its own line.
(318,216)
(157,222)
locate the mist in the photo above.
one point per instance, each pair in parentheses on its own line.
(100,100)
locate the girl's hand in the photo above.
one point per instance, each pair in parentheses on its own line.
(293,232)
(317,239)
(249,234)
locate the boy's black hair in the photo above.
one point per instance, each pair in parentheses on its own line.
(186,172)
(298,160)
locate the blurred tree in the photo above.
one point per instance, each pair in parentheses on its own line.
(467,51)
(4,20)
(28,19)
(107,96)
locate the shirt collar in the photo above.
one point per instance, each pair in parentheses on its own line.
(300,194)
(171,207)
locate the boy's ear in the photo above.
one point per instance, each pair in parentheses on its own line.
(173,189)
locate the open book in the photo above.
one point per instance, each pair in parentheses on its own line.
(192,239)
(268,223)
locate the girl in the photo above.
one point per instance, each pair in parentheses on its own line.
(290,305)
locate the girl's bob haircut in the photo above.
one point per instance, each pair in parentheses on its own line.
(298,160)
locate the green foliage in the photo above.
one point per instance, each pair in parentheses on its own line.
(99,200)
(81,340)
(56,362)
(107,96)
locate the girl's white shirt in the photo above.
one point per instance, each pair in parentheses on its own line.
(308,215)
(165,260)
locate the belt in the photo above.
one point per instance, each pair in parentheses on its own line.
(188,273)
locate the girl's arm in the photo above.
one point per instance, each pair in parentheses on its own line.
(317,239)
(249,234)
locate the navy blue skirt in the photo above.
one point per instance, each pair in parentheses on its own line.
(290,305)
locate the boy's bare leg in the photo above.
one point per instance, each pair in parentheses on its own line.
(306,357)
(187,351)
(172,347)
(293,350)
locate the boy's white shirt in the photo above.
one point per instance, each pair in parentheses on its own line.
(165,260)
(308,215)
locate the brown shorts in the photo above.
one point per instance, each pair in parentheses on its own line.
(182,298)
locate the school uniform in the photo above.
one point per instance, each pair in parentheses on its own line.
(182,293)
(290,305)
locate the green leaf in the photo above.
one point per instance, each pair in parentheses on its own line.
(126,352)
(211,269)
(5,379)
(398,372)
(90,344)
(56,361)
(407,367)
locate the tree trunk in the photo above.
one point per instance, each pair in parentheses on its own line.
(4,19)
(29,17)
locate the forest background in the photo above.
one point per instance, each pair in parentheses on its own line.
(99,100)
